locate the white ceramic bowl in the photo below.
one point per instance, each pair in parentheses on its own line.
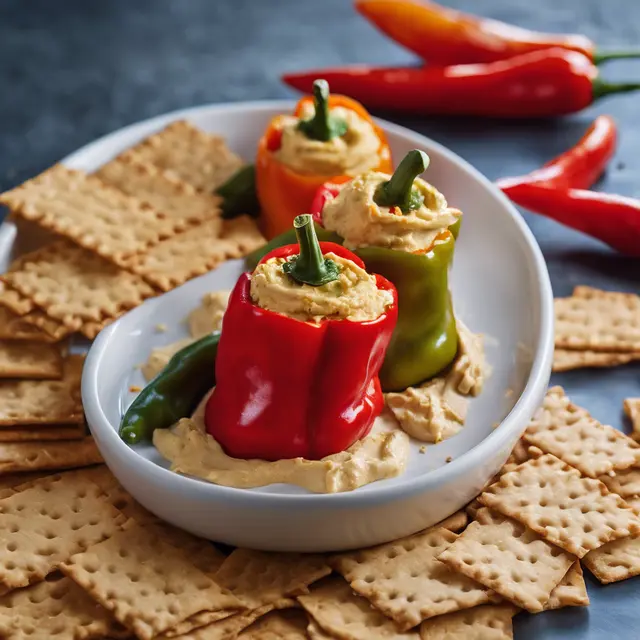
(500,287)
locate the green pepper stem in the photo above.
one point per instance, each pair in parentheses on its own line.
(322,126)
(602,88)
(309,266)
(399,190)
(604,56)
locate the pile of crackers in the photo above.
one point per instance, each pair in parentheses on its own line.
(144,223)
(81,559)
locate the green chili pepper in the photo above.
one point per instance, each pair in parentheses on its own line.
(399,190)
(174,393)
(288,237)
(425,340)
(239,194)
(322,126)
(309,266)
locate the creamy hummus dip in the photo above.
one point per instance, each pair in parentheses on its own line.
(354,215)
(192,451)
(437,409)
(353,296)
(203,320)
(353,153)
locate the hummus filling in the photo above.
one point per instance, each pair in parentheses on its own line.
(354,215)
(437,409)
(203,320)
(192,451)
(353,296)
(353,153)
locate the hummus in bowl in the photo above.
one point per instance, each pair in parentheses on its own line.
(511,307)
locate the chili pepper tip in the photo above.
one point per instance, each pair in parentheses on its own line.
(309,266)
(322,126)
(399,190)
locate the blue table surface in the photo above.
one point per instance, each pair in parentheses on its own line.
(71,71)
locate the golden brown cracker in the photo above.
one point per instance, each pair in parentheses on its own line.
(488,622)
(166,193)
(147,584)
(51,432)
(196,251)
(571,434)
(55,608)
(201,159)
(31,402)
(632,411)
(568,359)
(287,624)
(14,301)
(92,214)
(30,360)
(615,561)
(39,455)
(598,320)
(509,558)
(46,523)
(575,513)
(13,482)
(346,615)
(13,327)
(571,592)
(75,286)
(405,580)
(258,578)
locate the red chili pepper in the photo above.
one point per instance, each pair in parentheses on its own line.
(538,84)
(612,219)
(578,167)
(443,36)
(286,388)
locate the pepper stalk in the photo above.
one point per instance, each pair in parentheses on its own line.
(322,126)
(399,190)
(309,266)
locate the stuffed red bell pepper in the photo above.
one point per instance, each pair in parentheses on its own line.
(304,338)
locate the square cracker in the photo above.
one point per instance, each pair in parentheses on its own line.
(55,455)
(632,411)
(201,159)
(46,523)
(34,360)
(196,251)
(146,583)
(575,513)
(344,614)
(568,359)
(175,199)
(505,556)
(258,578)
(488,622)
(598,320)
(625,483)
(405,580)
(49,432)
(571,434)
(31,402)
(94,215)
(75,286)
(55,608)
(13,327)
(571,592)
(615,561)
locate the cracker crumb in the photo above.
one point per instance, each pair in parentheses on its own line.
(495,425)
(161,328)
(134,388)
(508,393)
(448,459)
(423,449)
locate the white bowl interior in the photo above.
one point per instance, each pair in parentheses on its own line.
(499,282)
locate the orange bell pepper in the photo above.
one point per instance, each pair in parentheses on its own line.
(283,193)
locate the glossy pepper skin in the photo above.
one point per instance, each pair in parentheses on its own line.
(284,193)
(287,388)
(174,393)
(539,84)
(442,35)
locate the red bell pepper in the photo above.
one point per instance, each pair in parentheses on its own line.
(532,85)
(287,388)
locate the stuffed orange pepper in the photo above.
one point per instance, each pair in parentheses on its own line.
(328,136)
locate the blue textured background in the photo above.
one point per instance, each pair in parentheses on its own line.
(71,71)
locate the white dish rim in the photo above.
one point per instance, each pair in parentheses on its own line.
(527,403)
